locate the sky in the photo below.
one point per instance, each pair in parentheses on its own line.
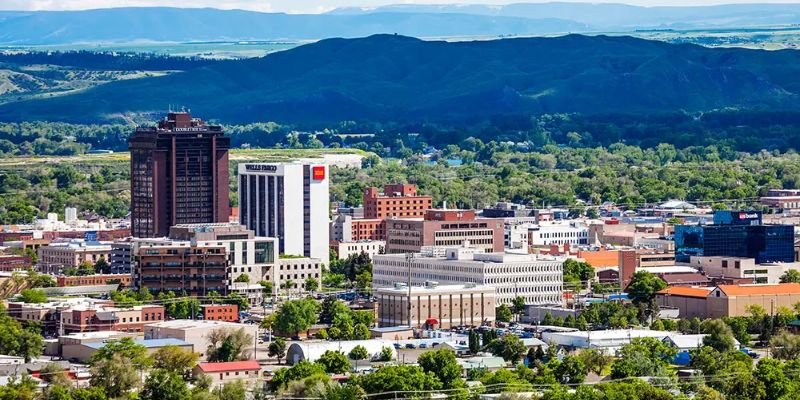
(309,6)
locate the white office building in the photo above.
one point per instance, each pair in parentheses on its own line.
(546,234)
(288,201)
(538,279)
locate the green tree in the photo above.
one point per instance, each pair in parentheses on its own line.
(332,306)
(785,346)
(334,362)
(595,360)
(268,288)
(570,370)
(510,347)
(33,296)
(164,385)
(358,353)
(790,276)
(115,375)
(277,348)
(719,336)
(577,274)
(176,360)
(300,370)
(643,357)
(312,284)
(385,354)
(295,316)
(398,378)
(235,390)
(101,266)
(503,313)
(474,341)
(361,332)
(226,344)
(243,278)
(643,287)
(443,364)
(518,306)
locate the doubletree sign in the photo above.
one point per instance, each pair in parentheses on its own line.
(318,173)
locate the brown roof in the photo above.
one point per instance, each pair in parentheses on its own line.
(249,365)
(686,291)
(760,290)
(688,277)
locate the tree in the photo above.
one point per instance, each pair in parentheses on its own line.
(312,284)
(101,266)
(17,341)
(295,316)
(595,360)
(385,354)
(135,353)
(175,360)
(398,378)
(300,370)
(474,341)
(238,299)
(518,305)
(233,391)
(358,353)
(164,385)
(510,347)
(443,364)
(227,345)
(643,287)
(361,332)
(577,273)
(115,375)
(243,278)
(277,348)
(570,370)
(364,280)
(643,357)
(791,276)
(548,320)
(33,296)
(268,288)
(785,346)
(332,306)
(503,313)
(334,362)
(720,336)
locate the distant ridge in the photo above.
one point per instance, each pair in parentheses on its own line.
(397,78)
(520,19)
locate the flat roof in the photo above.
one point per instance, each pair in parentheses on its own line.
(196,324)
(432,289)
(669,269)
(388,329)
(149,343)
(685,291)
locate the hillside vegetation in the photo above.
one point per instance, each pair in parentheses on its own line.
(395,78)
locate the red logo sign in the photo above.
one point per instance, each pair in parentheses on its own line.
(318,173)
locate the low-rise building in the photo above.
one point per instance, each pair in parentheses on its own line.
(293,272)
(58,255)
(782,199)
(436,306)
(444,228)
(740,270)
(728,300)
(82,352)
(311,351)
(545,234)
(195,332)
(89,319)
(95,279)
(537,279)
(224,372)
(220,312)
(369,247)
(10,263)
(48,315)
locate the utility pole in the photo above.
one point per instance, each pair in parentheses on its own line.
(409,260)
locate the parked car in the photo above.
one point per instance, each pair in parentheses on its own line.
(397,346)
(423,346)
(410,346)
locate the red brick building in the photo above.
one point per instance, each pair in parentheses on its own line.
(444,228)
(14,263)
(93,280)
(220,312)
(397,200)
(102,235)
(110,318)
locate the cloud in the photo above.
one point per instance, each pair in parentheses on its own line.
(36,5)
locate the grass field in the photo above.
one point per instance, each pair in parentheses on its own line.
(217,50)
(266,155)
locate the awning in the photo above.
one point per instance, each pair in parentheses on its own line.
(432,321)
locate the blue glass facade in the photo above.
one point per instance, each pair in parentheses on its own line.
(764,243)
(737,217)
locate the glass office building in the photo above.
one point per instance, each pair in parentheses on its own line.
(738,234)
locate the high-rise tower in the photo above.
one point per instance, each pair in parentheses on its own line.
(179,175)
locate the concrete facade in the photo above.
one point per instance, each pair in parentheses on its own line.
(436,306)
(444,228)
(538,279)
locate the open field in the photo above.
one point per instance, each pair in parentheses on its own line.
(215,50)
(236,155)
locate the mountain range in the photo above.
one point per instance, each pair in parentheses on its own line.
(398,78)
(523,19)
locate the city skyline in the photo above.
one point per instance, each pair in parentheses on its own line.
(317,6)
